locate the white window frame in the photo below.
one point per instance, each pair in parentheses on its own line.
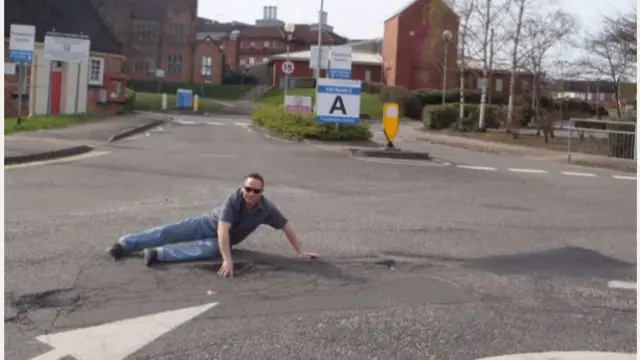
(499,85)
(207,66)
(100,80)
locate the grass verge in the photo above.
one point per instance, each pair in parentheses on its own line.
(153,102)
(298,127)
(44,122)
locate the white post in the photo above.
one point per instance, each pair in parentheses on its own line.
(164,101)
(320,39)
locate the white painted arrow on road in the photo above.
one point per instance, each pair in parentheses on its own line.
(116,340)
(569,355)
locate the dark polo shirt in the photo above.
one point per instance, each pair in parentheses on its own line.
(244,221)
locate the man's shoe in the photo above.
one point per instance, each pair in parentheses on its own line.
(116,251)
(150,256)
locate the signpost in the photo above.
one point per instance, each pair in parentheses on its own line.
(297,104)
(340,62)
(313,57)
(390,122)
(287,68)
(338,101)
(73,48)
(22,41)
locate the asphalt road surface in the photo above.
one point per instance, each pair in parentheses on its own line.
(432,261)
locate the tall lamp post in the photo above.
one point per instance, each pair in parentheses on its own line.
(288,29)
(235,36)
(320,19)
(446,37)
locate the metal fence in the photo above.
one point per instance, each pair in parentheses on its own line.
(615,139)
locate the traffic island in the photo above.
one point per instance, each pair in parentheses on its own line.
(390,153)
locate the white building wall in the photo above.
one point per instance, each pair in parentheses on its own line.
(40,81)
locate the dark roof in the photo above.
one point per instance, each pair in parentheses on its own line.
(66,16)
(303,33)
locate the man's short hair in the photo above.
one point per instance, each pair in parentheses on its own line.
(256,176)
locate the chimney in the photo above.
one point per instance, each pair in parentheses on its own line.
(275,13)
(265,12)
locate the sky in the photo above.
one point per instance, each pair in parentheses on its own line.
(365,18)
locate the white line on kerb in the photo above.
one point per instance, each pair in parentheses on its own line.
(474,167)
(626,285)
(530,171)
(570,173)
(623,177)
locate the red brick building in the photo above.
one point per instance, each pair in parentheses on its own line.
(256,43)
(160,35)
(53,88)
(413,46)
(365,67)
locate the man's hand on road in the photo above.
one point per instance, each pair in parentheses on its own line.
(307,256)
(226,269)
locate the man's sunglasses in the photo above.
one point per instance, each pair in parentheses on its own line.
(250,189)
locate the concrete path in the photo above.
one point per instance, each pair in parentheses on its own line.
(74,140)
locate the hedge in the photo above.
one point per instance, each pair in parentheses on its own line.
(294,126)
(438,117)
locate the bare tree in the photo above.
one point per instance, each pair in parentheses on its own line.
(608,54)
(540,34)
(489,14)
(465,9)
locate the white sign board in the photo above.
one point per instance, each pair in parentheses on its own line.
(297,104)
(313,57)
(288,67)
(340,62)
(22,42)
(338,101)
(9,68)
(66,48)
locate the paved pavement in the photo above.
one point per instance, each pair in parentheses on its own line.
(419,262)
(30,144)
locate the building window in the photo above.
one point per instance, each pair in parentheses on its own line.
(367,75)
(252,60)
(141,67)
(243,61)
(96,71)
(146,30)
(265,59)
(267,44)
(174,64)
(175,32)
(499,85)
(206,65)
(479,83)
(252,44)
(525,85)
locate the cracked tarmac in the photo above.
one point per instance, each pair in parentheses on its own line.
(416,263)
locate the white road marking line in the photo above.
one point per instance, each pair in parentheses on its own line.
(215,123)
(116,340)
(474,167)
(626,285)
(562,355)
(399,161)
(623,177)
(241,124)
(528,171)
(88,155)
(570,173)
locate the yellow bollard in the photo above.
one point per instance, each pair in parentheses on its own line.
(196,103)
(390,122)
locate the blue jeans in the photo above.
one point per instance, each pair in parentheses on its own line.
(187,240)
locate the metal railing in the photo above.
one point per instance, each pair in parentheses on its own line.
(614,139)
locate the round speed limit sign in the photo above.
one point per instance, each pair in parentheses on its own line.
(288,67)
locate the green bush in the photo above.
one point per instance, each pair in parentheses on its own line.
(274,118)
(438,117)
(434,97)
(410,105)
(129,102)
(372,87)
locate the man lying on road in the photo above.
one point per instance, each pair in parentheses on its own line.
(211,235)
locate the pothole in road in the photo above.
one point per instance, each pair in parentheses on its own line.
(17,307)
(605,298)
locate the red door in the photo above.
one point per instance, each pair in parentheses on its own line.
(55,95)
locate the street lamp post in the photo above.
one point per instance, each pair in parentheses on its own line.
(446,36)
(235,35)
(288,29)
(320,19)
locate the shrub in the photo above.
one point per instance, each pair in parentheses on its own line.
(410,105)
(437,117)
(372,87)
(295,126)
(434,97)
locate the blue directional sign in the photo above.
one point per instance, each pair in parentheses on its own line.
(20,56)
(338,101)
(340,62)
